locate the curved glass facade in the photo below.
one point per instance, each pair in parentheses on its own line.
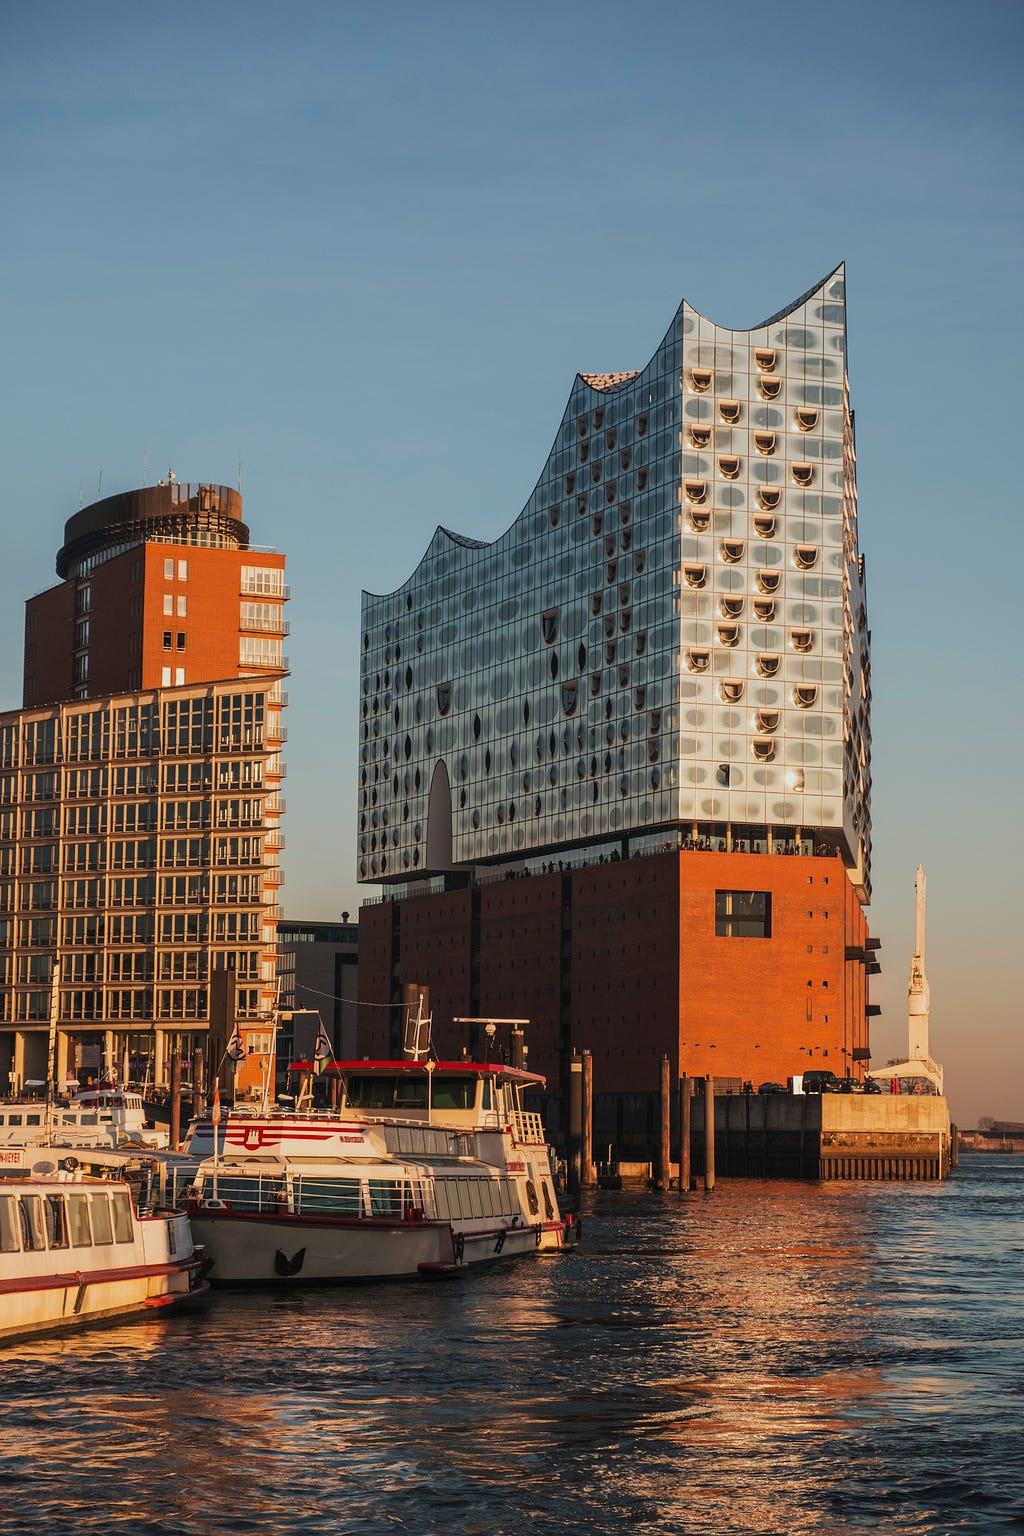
(670,638)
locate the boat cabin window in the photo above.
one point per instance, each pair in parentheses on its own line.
(56,1221)
(102,1230)
(15,1120)
(33,1233)
(385,1197)
(403,1091)
(339,1197)
(122,1204)
(78,1221)
(10,1241)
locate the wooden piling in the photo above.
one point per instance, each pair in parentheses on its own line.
(709,1133)
(175,1131)
(575,1123)
(198,1083)
(685,1103)
(589,1172)
(664,1143)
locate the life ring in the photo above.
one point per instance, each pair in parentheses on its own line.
(69,1164)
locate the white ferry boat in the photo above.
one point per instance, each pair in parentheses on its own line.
(424,1169)
(94,1117)
(74,1250)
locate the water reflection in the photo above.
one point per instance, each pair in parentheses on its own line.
(772,1358)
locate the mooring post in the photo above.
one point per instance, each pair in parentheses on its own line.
(684,1134)
(589,1179)
(198,1084)
(575,1122)
(664,1144)
(175,1131)
(709,1133)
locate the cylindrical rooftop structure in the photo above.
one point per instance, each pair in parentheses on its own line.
(175,513)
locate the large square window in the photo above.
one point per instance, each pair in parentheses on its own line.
(743,914)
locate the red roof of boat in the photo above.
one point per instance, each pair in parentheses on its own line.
(493,1068)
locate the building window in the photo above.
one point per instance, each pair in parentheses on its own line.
(182,570)
(743,914)
(764,357)
(167,639)
(700,380)
(181,640)
(729,410)
(168,603)
(182,606)
(700,436)
(549,625)
(165,677)
(168,570)
(268,580)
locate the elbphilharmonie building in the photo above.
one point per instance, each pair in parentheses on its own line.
(666,653)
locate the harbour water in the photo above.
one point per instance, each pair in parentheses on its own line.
(773,1358)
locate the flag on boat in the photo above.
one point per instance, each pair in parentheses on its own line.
(323,1050)
(215,1112)
(236,1046)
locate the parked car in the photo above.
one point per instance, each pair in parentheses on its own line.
(872,1085)
(821,1082)
(773,1088)
(851,1085)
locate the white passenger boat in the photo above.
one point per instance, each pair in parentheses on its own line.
(424,1169)
(94,1117)
(74,1250)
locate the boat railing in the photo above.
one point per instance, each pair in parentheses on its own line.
(316,1194)
(528,1127)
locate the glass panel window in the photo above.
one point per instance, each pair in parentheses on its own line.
(743,914)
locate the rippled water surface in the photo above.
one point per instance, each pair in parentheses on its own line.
(773,1358)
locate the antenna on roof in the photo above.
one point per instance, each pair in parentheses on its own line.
(145,465)
(99,488)
(239,474)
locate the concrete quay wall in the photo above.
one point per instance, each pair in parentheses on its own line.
(826,1136)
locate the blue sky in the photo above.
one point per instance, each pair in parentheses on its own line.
(361,253)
